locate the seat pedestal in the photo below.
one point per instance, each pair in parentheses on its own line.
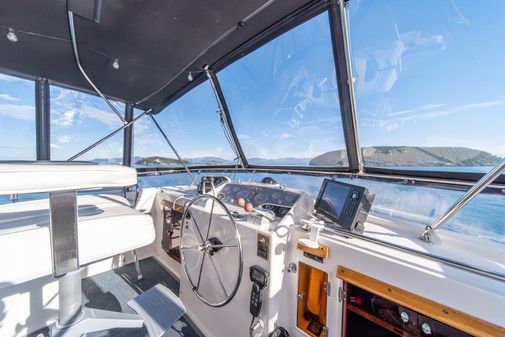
(75,320)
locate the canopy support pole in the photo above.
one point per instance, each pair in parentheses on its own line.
(480,185)
(225,115)
(174,150)
(128,136)
(42,119)
(92,146)
(71,27)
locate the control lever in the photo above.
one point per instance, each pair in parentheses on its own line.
(249,208)
(266,213)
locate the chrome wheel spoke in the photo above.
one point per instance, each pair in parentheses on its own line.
(200,273)
(198,230)
(224,246)
(190,247)
(210,219)
(218,277)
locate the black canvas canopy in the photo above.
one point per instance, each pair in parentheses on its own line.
(156,42)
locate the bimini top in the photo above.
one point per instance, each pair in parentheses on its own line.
(156,43)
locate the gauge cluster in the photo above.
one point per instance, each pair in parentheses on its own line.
(267,197)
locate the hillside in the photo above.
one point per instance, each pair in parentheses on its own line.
(161,161)
(412,156)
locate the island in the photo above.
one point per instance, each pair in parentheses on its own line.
(411,156)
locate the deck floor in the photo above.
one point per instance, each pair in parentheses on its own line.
(112,290)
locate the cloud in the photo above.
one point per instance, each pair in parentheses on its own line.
(243,137)
(14,111)
(142,125)
(64,139)
(70,106)
(110,119)
(456,109)
(431,111)
(66,119)
(283,135)
(54,146)
(10,98)
(419,109)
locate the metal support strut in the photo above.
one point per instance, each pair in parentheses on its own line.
(173,149)
(92,146)
(465,199)
(71,27)
(225,116)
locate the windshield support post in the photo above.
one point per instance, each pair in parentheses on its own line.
(174,150)
(225,115)
(345,82)
(92,146)
(128,136)
(42,119)
(75,50)
(480,185)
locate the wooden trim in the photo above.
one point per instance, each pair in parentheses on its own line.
(322,252)
(171,205)
(376,320)
(439,312)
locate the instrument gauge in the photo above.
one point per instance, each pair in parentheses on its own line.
(244,194)
(289,199)
(261,198)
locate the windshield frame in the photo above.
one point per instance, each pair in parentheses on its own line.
(337,13)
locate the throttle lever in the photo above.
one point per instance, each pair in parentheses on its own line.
(266,213)
(249,208)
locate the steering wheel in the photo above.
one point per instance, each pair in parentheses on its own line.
(211,250)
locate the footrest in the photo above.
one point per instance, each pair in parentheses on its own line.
(159,308)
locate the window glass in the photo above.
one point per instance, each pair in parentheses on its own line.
(417,206)
(284,102)
(192,124)
(17,118)
(79,120)
(429,82)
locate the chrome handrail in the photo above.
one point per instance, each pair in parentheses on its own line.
(480,185)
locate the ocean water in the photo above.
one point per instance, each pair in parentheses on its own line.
(483,217)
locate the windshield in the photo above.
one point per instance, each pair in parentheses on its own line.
(193,125)
(79,120)
(284,102)
(429,83)
(17,118)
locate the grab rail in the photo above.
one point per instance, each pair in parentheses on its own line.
(480,185)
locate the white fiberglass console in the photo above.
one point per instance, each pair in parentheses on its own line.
(264,241)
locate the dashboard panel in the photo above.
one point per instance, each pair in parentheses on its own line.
(268,197)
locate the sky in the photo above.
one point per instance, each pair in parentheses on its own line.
(427,73)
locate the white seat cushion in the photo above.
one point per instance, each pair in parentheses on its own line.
(107,226)
(43,177)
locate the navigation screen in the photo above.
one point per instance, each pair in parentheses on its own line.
(333,199)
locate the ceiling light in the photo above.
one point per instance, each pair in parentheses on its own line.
(115,64)
(190,76)
(11,36)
